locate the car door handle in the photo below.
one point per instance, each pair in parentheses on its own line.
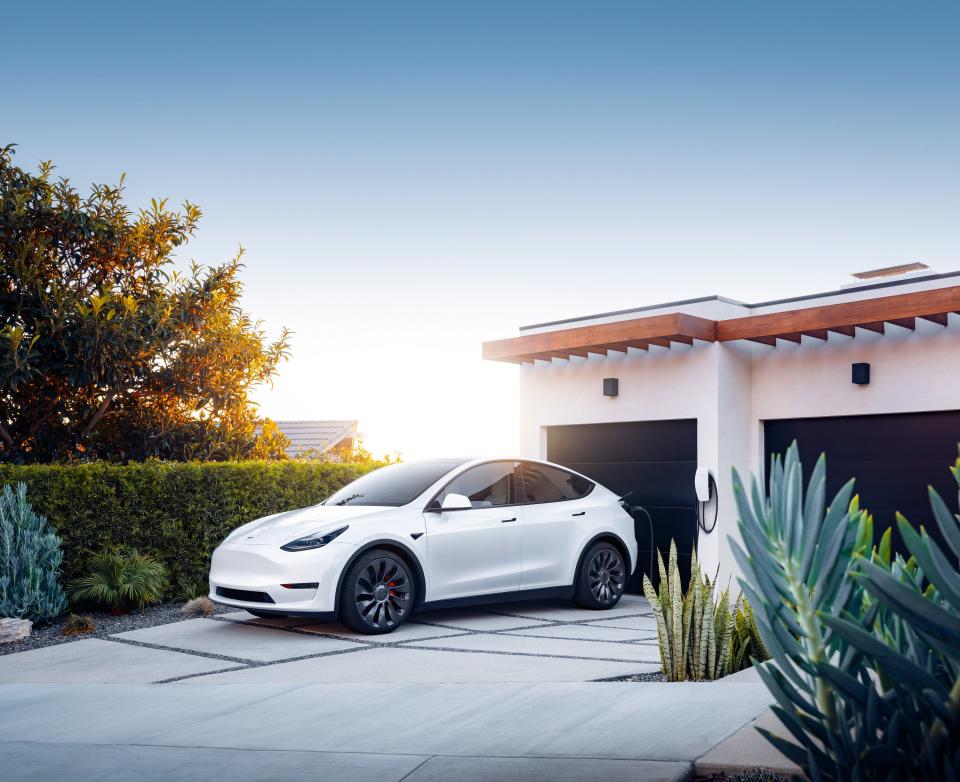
(580,513)
(507,521)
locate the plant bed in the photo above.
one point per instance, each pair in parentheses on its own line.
(51,633)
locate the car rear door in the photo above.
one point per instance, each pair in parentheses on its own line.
(556,512)
(476,551)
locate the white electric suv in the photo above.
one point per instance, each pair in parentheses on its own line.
(432,534)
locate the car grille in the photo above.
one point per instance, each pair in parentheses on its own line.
(244,596)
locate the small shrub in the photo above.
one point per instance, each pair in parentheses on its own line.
(120,581)
(746,642)
(199,606)
(79,625)
(693,630)
(30,558)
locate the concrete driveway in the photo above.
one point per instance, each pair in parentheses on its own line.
(507,692)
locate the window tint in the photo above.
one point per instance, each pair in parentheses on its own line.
(486,485)
(394,485)
(549,484)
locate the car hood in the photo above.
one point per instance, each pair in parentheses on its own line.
(283,527)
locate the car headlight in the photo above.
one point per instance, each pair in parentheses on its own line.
(314,540)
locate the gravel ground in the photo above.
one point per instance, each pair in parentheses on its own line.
(656,676)
(49,633)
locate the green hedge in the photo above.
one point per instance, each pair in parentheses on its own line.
(175,512)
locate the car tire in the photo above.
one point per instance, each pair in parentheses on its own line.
(601,577)
(265,614)
(378,593)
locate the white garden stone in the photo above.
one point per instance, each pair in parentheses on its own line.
(14,629)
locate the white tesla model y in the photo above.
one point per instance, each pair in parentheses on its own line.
(432,534)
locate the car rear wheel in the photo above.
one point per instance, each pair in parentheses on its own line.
(378,593)
(601,579)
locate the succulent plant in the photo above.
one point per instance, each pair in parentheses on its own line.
(693,630)
(30,559)
(865,666)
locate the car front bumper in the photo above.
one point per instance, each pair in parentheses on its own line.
(251,576)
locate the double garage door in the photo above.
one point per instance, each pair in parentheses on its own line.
(893,458)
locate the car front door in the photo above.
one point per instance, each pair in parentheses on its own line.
(476,550)
(556,513)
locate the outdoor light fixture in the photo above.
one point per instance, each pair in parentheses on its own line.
(861,374)
(611,386)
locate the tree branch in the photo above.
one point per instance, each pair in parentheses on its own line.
(95,418)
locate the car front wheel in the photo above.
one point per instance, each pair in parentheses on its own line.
(378,593)
(601,578)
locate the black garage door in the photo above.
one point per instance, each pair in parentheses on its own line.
(893,458)
(655,460)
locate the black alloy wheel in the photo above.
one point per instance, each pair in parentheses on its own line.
(378,593)
(602,577)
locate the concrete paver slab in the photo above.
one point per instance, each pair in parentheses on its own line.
(446,768)
(96,660)
(747,749)
(235,640)
(645,623)
(266,621)
(476,620)
(114,713)
(405,664)
(408,631)
(583,632)
(633,721)
(22,762)
(531,645)
(564,611)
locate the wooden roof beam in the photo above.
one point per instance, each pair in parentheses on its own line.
(941,319)
(834,317)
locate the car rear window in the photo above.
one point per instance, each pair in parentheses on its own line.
(393,485)
(542,483)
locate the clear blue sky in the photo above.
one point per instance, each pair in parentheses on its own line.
(410,178)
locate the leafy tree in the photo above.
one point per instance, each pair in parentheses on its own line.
(106,351)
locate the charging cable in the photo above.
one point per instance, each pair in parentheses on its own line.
(650,522)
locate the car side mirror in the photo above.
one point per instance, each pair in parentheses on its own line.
(455,502)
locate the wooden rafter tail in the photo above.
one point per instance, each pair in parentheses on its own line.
(791,336)
(906,323)
(820,334)
(876,326)
(847,331)
(681,338)
(771,341)
(940,318)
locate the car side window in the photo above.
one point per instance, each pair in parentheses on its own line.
(486,485)
(542,483)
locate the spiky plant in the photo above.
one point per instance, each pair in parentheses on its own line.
(199,606)
(79,625)
(693,630)
(30,559)
(121,580)
(745,644)
(865,651)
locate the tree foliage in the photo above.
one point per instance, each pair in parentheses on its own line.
(105,350)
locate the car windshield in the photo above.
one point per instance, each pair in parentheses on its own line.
(394,485)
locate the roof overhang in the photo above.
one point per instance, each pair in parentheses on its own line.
(602,338)
(791,325)
(870,314)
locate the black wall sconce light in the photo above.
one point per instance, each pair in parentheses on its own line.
(861,374)
(611,386)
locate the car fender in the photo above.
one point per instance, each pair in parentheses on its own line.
(599,535)
(391,542)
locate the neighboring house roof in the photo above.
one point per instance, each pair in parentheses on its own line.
(318,436)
